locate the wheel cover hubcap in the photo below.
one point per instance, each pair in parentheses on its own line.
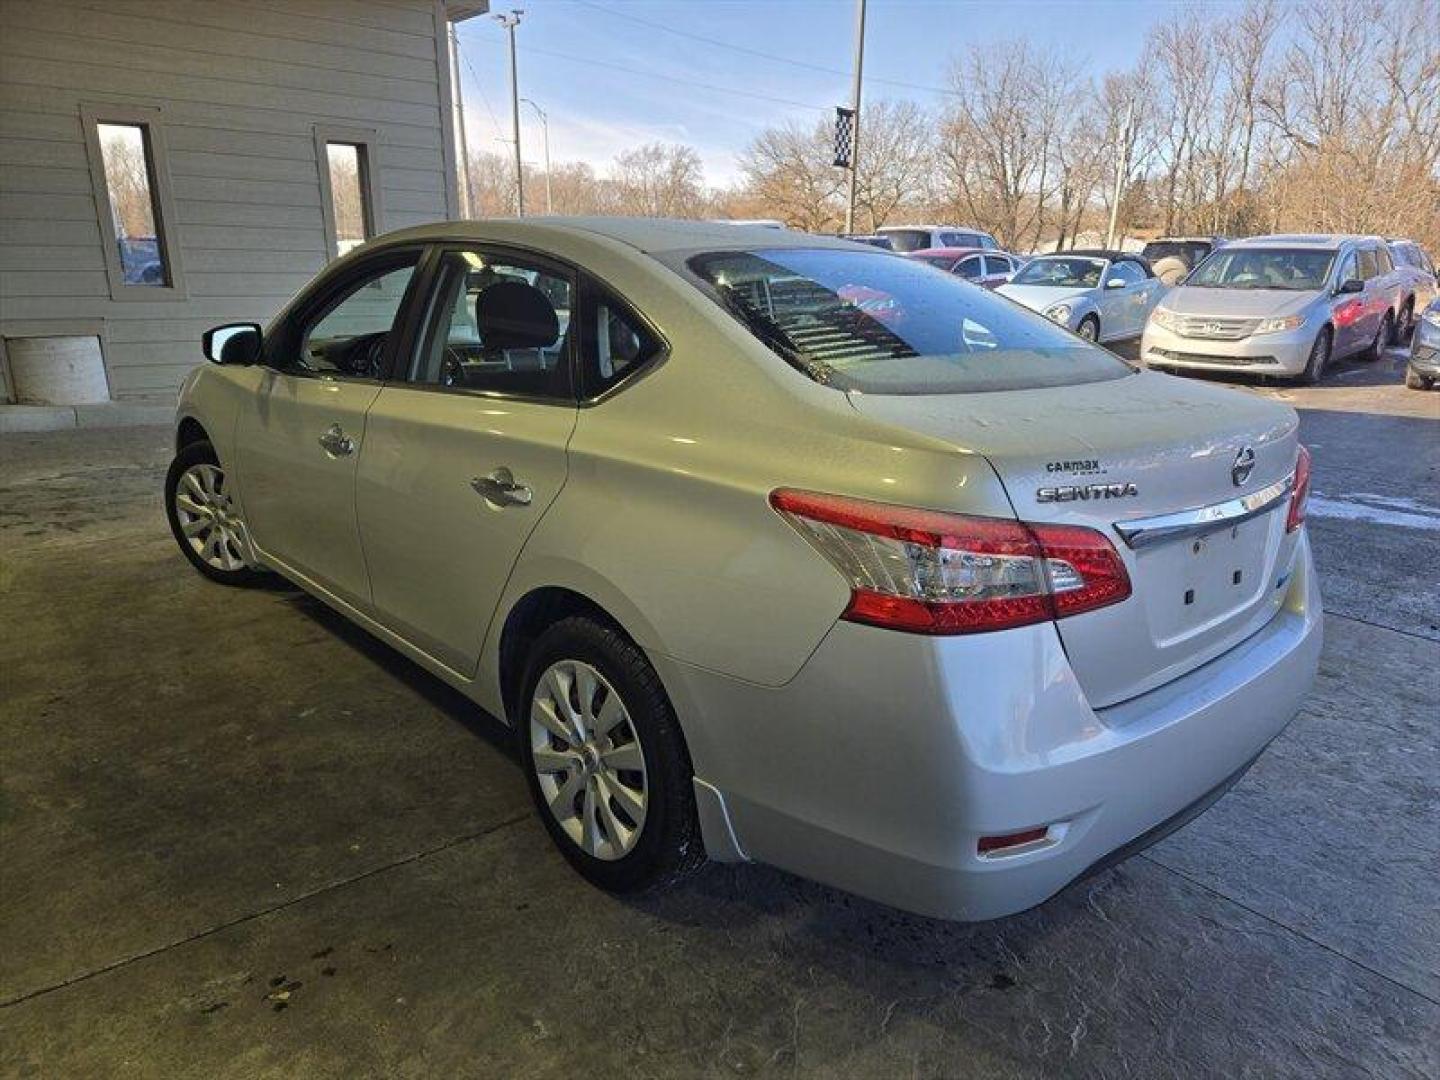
(588,760)
(208,519)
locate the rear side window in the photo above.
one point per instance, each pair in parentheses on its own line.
(614,342)
(908,239)
(866,322)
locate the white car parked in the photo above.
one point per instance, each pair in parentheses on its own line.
(1101,295)
(772,547)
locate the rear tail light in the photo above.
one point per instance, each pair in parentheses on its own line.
(1300,493)
(928,572)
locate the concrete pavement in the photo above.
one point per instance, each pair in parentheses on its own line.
(240,837)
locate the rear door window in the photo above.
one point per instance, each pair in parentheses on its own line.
(498,324)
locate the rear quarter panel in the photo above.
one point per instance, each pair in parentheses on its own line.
(665,518)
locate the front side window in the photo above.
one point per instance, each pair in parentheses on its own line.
(499,325)
(1349,268)
(1062,272)
(961,239)
(1369,265)
(1127,272)
(1383,260)
(351,335)
(1289,269)
(969,268)
(869,323)
(133,199)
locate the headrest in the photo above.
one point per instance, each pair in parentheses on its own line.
(514,315)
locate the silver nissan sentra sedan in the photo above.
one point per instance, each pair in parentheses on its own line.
(774,547)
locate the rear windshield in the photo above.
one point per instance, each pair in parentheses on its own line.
(1190,252)
(1061,273)
(908,239)
(872,323)
(1290,269)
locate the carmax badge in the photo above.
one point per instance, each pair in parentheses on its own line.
(1085,492)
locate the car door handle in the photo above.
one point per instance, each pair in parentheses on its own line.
(335,442)
(502,489)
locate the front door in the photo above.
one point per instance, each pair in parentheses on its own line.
(302,434)
(466,448)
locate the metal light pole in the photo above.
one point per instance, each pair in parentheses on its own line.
(545,129)
(1122,168)
(510,20)
(855,121)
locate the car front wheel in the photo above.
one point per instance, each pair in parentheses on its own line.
(605,759)
(204,519)
(1089,328)
(1415,381)
(1318,358)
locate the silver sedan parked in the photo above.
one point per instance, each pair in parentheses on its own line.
(1101,295)
(1279,305)
(772,547)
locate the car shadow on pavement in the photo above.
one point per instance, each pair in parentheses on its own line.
(437,693)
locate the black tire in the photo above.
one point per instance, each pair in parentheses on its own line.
(1376,348)
(191,455)
(1405,324)
(1416,381)
(1319,357)
(1094,324)
(669,846)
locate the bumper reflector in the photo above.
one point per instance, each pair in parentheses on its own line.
(993,845)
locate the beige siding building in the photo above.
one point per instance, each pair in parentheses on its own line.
(166,165)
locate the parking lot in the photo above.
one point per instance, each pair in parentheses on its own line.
(241,837)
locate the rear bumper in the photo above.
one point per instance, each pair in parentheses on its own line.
(1272,354)
(878,768)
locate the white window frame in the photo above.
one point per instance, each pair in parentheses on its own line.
(367,142)
(162,200)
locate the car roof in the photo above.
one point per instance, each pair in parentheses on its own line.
(1325,241)
(955,252)
(932,228)
(648,235)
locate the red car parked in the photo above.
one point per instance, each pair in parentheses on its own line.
(983,266)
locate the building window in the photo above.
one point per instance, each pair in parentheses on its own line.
(133,201)
(351,196)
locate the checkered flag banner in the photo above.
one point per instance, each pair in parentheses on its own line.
(844,135)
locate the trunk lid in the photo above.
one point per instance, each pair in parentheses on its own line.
(1070,455)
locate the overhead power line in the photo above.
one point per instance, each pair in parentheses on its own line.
(758,53)
(640,73)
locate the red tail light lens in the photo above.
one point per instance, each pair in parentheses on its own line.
(928,572)
(1300,493)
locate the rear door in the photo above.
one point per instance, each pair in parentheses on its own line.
(300,437)
(466,447)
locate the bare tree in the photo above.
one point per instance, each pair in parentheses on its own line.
(658,180)
(790,170)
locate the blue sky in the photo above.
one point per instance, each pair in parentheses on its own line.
(622,80)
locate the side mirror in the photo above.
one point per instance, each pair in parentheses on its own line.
(1350,285)
(233,343)
(1114,283)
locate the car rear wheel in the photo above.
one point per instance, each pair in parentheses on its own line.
(1376,348)
(1404,324)
(1318,358)
(1089,328)
(205,521)
(605,760)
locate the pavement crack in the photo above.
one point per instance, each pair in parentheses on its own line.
(1382,626)
(1287,928)
(413,857)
